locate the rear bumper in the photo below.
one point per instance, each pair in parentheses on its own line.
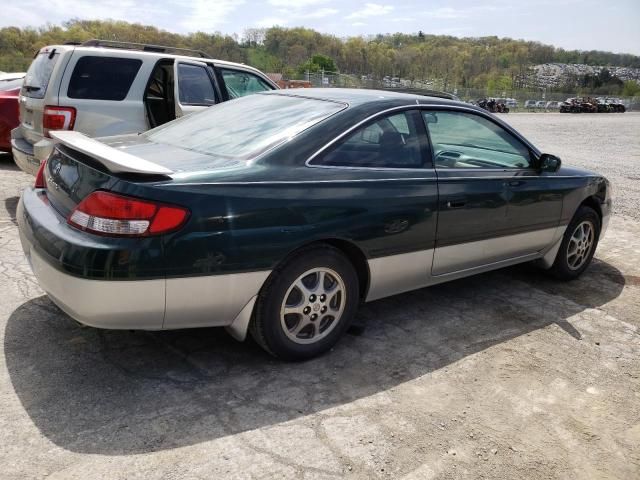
(128,303)
(98,303)
(29,156)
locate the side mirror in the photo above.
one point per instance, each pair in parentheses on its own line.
(549,163)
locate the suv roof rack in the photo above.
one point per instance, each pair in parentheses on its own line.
(145,47)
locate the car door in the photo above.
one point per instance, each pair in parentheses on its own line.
(194,87)
(473,192)
(495,205)
(383,171)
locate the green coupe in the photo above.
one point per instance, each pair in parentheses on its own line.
(279,213)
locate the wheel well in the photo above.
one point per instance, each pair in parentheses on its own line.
(355,256)
(594,204)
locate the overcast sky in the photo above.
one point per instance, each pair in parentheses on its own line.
(612,25)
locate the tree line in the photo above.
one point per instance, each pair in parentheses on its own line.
(484,62)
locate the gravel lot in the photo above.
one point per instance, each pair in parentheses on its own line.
(505,375)
(608,144)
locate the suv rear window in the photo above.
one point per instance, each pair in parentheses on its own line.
(39,73)
(103,78)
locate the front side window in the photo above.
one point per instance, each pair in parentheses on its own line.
(194,85)
(240,83)
(466,140)
(103,78)
(390,142)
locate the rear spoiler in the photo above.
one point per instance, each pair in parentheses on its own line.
(115,160)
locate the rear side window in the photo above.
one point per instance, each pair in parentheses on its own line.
(194,85)
(37,78)
(103,78)
(393,141)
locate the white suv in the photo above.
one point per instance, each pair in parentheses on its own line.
(103,88)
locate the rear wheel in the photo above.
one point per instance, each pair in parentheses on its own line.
(578,245)
(307,304)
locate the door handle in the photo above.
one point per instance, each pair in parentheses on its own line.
(456,203)
(516,183)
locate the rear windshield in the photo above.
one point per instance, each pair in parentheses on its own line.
(103,78)
(37,79)
(244,128)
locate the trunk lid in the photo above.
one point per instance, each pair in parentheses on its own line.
(71,175)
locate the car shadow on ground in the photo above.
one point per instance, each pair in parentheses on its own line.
(11,206)
(7,163)
(123,392)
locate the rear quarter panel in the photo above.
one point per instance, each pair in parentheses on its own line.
(236,227)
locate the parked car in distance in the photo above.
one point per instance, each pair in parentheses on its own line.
(552,105)
(540,104)
(530,104)
(278,213)
(104,88)
(9,92)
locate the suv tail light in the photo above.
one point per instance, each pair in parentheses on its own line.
(40,176)
(58,118)
(111,214)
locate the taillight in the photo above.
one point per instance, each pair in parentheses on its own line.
(58,118)
(108,213)
(40,176)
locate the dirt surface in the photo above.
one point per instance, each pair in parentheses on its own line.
(504,375)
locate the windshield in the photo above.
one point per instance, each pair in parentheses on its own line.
(244,128)
(39,73)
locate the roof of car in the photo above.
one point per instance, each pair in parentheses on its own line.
(151,54)
(358,96)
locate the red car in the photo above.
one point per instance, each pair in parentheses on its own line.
(9,93)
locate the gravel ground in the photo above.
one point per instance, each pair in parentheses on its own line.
(504,375)
(594,142)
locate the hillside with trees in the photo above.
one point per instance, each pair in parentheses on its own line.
(487,62)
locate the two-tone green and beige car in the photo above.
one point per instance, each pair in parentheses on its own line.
(279,213)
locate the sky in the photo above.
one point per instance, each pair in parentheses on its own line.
(612,25)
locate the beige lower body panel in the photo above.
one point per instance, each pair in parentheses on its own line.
(207,301)
(408,271)
(210,301)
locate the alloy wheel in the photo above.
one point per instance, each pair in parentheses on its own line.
(580,245)
(313,305)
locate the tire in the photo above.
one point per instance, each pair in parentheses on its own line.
(576,251)
(284,323)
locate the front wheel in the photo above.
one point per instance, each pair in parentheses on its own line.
(306,304)
(578,245)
